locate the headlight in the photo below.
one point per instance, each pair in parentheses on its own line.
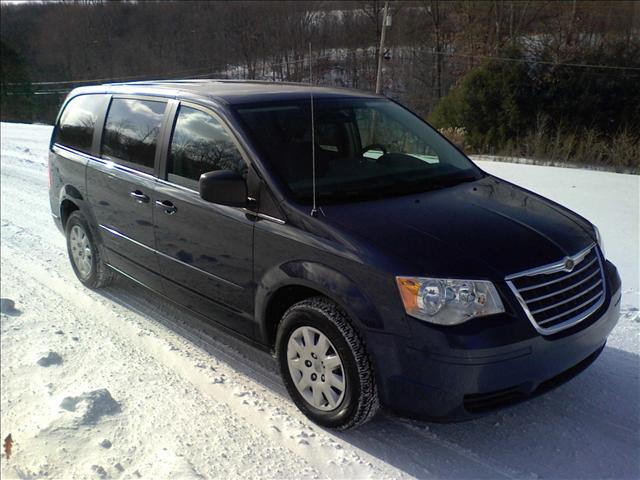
(446,301)
(599,240)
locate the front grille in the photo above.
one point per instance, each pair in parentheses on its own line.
(555,297)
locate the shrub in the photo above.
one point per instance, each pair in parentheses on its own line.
(589,148)
(490,104)
(555,112)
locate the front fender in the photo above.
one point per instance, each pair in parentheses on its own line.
(329,282)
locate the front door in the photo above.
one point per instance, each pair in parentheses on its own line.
(121,184)
(205,250)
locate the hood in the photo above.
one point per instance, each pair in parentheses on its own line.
(487,228)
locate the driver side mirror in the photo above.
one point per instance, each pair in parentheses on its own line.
(224,187)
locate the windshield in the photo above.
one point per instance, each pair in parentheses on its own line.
(365,148)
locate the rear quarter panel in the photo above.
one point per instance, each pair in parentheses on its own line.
(68,175)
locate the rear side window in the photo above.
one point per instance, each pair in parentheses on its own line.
(131,131)
(200,144)
(78,122)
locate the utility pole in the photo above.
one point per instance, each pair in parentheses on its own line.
(381,50)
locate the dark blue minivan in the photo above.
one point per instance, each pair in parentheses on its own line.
(339,231)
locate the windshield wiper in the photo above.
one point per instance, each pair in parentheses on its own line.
(400,186)
(459,180)
(428,184)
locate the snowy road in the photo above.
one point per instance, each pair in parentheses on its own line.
(140,388)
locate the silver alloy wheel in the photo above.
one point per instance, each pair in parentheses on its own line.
(81,252)
(316,368)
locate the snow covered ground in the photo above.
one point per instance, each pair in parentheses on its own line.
(121,384)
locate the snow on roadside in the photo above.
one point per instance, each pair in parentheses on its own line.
(115,410)
(24,142)
(120,384)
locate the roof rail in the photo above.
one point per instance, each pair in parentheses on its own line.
(204,81)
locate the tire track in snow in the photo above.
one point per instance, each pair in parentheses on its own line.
(292,431)
(153,406)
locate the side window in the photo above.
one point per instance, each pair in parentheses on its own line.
(200,144)
(78,122)
(131,131)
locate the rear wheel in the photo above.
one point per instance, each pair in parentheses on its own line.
(324,365)
(85,256)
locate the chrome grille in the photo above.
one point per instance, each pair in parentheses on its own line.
(560,295)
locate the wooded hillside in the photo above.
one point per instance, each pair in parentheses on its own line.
(559,46)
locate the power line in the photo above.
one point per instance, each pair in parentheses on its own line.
(131,77)
(330,56)
(160,75)
(541,62)
(271,64)
(165,74)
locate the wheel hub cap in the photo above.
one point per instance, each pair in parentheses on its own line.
(81,252)
(316,368)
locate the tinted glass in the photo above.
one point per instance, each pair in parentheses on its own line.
(364,149)
(131,131)
(201,144)
(78,122)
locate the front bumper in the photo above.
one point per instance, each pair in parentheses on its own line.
(442,376)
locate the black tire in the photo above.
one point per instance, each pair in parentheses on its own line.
(360,401)
(100,275)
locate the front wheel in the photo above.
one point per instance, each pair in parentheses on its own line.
(324,365)
(84,253)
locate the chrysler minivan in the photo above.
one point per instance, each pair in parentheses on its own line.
(338,231)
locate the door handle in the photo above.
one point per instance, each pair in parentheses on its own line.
(139,197)
(169,207)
